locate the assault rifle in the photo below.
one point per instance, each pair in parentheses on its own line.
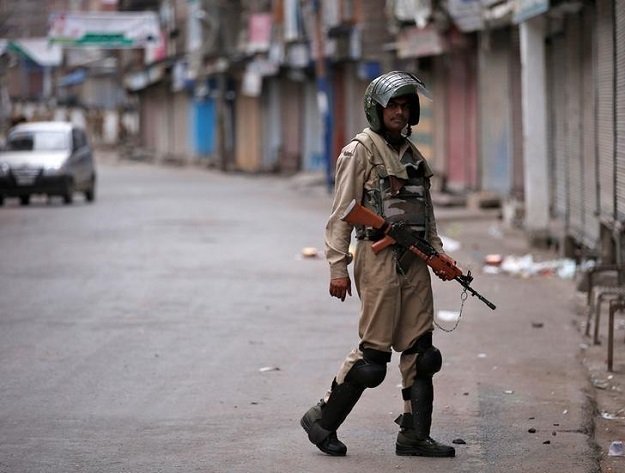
(401,234)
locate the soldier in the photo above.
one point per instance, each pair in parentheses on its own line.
(384,171)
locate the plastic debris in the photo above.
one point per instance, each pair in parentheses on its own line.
(448,315)
(265,369)
(508,391)
(546,442)
(309,252)
(459,442)
(538,324)
(518,265)
(609,416)
(532,430)
(450,244)
(491,269)
(525,266)
(481,355)
(495,232)
(567,269)
(600,383)
(616,449)
(493,260)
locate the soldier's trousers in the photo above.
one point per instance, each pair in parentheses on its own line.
(396,307)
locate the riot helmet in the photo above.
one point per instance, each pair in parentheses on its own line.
(390,85)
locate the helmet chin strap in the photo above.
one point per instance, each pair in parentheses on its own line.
(397,140)
(393,140)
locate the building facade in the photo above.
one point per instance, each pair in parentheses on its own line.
(529,95)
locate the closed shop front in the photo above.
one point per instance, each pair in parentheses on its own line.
(572,125)
(461,114)
(516,116)
(154,122)
(619,15)
(272,129)
(204,127)
(495,109)
(312,145)
(180,142)
(567,141)
(578,72)
(248,133)
(588,101)
(291,107)
(556,78)
(605,108)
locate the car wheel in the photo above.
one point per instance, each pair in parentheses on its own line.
(68,195)
(1,200)
(90,192)
(24,199)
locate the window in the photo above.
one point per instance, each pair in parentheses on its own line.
(38,141)
(79,138)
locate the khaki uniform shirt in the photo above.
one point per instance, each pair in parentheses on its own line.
(355,173)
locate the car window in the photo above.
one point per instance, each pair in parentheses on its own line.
(79,139)
(37,141)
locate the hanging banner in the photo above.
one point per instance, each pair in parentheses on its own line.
(259,32)
(417,42)
(526,9)
(466,14)
(111,30)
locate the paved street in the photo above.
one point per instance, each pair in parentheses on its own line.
(173,326)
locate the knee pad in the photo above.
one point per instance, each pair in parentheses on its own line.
(429,358)
(429,362)
(371,370)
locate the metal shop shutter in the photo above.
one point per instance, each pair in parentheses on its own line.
(589,147)
(605,108)
(557,120)
(516,95)
(574,144)
(461,116)
(619,14)
(495,113)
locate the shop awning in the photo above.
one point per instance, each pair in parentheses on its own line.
(38,50)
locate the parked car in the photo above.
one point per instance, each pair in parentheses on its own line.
(51,158)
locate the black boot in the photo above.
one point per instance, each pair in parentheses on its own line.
(325,440)
(414,437)
(321,421)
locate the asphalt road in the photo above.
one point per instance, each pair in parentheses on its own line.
(173,326)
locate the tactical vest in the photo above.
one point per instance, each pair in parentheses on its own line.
(407,203)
